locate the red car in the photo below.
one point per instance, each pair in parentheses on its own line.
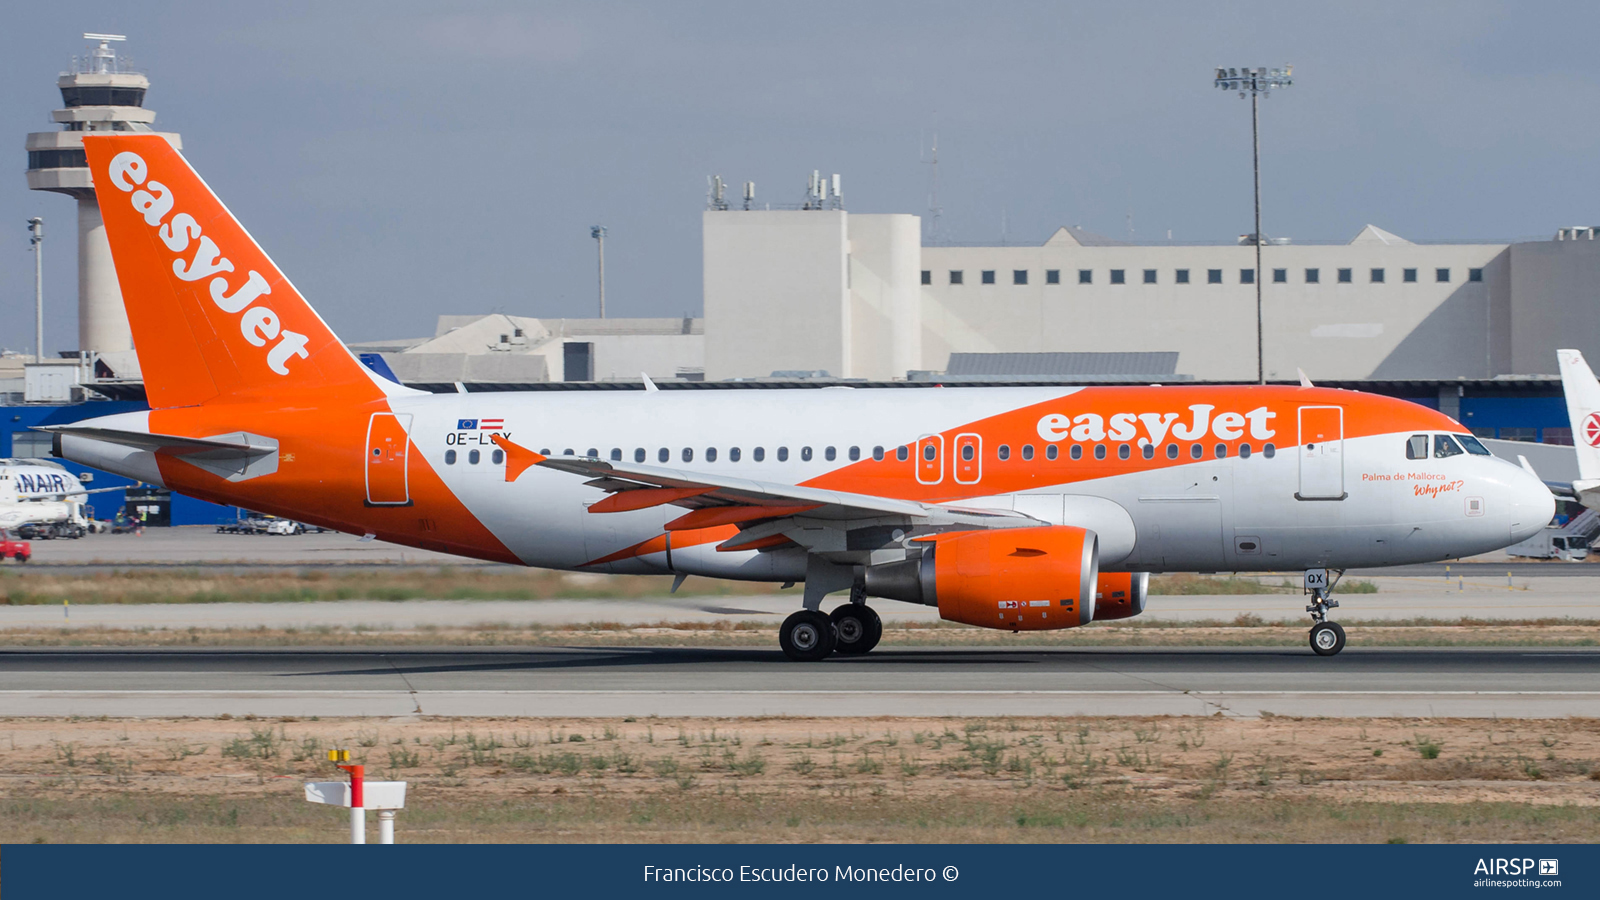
(21,551)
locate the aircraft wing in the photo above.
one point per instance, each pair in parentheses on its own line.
(758,507)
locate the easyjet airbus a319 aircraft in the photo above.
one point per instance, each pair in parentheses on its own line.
(1013,508)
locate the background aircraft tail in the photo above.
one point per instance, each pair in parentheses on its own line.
(1583,408)
(212,316)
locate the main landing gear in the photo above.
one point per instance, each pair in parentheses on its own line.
(1327,638)
(811,635)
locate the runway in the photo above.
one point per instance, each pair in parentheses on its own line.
(1432,682)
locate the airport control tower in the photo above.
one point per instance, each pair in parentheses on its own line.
(100,93)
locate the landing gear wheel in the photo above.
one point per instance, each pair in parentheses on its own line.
(857,627)
(807,636)
(1327,638)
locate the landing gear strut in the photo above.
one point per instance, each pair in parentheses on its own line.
(1327,638)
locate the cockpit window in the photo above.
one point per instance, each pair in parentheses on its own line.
(1417,446)
(1444,445)
(1473,445)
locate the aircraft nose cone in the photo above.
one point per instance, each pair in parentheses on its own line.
(1533,507)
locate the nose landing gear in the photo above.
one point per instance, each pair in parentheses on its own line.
(1327,638)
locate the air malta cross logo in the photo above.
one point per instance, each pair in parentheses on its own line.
(1591,430)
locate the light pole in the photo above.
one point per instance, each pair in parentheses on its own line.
(598,232)
(36,238)
(1256,83)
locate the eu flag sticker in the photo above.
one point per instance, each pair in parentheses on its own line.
(466,424)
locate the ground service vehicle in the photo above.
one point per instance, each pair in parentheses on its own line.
(1013,508)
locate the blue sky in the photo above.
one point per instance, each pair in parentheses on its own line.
(401,160)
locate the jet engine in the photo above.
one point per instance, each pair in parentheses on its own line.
(1120,595)
(1011,578)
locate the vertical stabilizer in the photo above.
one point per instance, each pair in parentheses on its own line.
(1583,408)
(212,316)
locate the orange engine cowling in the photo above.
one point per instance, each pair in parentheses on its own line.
(1120,595)
(1012,578)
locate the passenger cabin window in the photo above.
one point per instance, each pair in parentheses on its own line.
(1004,453)
(449,457)
(1099,451)
(877,454)
(1027,451)
(616,454)
(688,454)
(1417,446)
(1222,451)
(497,457)
(1196,451)
(805,454)
(1444,446)
(758,454)
(711,454)
(902,453)
(1269,450)
(830,454)
(733,454)
(1473,445)
(593,453)
(1123,451)
(966,452)
(473,456)
(1077,451)
(638,455)
(855,454)
(783,454)
(1051,451)
(1244,451)
(663,454)
(1148,451)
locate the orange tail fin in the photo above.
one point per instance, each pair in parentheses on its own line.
(212,316)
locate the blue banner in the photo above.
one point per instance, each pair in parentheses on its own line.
(566,871)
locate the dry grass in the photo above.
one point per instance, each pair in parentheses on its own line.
(846,780)
(220,584)
(39,585)
(1244,631)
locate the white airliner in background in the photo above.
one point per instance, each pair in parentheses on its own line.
(42,492)
(1011,508)
(1582,391)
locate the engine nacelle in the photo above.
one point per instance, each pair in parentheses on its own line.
(1012,578)
(1120,595)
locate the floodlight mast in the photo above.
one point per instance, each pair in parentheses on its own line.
(1256,83)
(598,232)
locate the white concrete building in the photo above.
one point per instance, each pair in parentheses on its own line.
(522,350)
(823,289)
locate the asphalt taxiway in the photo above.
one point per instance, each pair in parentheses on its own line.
(1433,682)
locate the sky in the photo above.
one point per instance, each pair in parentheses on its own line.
(403,160)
